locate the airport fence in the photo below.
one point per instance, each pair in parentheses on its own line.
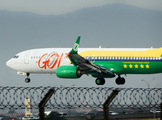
(80,101)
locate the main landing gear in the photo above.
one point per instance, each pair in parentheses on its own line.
(27,80)
(100,81)
(120,80)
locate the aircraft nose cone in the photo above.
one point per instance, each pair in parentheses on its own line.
(8,63)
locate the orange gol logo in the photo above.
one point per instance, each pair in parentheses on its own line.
(50,60)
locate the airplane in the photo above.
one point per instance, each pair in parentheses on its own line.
(100,63)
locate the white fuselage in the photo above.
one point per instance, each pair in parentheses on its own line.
(39,60)
(46,60)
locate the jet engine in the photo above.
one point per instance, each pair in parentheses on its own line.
(68,72)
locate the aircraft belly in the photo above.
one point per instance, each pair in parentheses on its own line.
(36,69)
(25,68)
(44,70)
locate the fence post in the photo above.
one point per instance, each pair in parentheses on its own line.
(107,103)
(161,111)
(43,102)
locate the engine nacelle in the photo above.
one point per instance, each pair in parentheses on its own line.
(68,72)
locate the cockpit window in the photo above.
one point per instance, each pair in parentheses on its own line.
(16,56)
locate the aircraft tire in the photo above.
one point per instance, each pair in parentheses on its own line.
(117,81)
(27,80)
(120,81)
(100,81)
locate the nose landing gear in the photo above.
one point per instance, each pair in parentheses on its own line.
(27,80)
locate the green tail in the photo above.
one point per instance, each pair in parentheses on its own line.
(76,46)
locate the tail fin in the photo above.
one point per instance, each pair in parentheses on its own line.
(76,46)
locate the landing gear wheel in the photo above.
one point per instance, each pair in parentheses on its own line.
(27,80)
(120,81)
(100,81)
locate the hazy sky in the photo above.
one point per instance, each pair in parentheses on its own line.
(136,23)
(57,7)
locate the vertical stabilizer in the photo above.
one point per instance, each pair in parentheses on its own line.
(76,46)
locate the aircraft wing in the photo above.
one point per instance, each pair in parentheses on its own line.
(85,65)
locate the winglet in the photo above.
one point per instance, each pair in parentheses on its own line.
(76,46)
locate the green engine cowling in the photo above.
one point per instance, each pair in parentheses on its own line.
(68,72)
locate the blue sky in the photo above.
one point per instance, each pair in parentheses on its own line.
(39,23)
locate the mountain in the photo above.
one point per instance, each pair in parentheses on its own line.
(114,25)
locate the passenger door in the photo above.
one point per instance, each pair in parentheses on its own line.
(26,58)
